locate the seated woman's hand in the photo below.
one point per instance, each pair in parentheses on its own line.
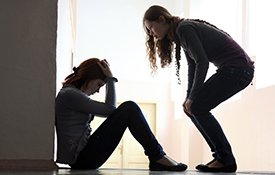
(105,67)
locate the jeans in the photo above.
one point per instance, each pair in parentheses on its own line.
(105,139)
(222,85)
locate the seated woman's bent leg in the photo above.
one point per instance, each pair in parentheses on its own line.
(104,140)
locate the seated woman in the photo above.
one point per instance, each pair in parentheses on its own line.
(75,110)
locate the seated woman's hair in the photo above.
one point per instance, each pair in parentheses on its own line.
(86,71)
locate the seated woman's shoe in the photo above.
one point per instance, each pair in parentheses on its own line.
(201,165)
(223,169)
(154,166)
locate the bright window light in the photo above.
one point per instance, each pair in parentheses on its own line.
(261,37)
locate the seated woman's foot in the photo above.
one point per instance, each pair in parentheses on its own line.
(216,166)
(167,164)
(200,165)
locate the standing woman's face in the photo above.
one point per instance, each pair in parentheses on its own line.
(158,29)
(93,86)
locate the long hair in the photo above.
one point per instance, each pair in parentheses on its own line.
(86,71)
(164,48)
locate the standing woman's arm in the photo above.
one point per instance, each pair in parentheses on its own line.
(190,74)
(193,46)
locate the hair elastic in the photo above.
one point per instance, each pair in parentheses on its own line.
(75,69)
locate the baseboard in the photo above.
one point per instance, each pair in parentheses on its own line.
(26,164)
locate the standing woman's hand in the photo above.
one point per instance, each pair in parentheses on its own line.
(105,67)
(187,107)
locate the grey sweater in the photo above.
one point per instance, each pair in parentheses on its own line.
(74,111)
(203,43)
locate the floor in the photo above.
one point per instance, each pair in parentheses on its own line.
(123,172)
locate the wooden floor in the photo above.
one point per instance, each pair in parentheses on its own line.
(123,172)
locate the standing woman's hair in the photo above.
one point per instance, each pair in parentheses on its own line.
(86,71)
(164,48)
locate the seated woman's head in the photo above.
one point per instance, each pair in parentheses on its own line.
(88,76)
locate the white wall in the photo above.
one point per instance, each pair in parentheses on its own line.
(249,124)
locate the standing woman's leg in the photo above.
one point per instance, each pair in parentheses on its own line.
(203,133)
(105,139)
(221,86)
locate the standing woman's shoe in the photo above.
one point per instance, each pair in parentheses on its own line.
(223,169)
(154,166)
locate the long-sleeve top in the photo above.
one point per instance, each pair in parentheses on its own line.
(74,111)
(204,44)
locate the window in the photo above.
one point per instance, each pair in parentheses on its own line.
(261,36)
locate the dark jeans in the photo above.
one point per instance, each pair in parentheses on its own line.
(105,139)
(225,83)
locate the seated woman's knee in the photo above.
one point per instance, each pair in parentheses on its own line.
(129,109)
(129,105)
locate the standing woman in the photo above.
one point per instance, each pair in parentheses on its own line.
(75,110)
(203,43)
